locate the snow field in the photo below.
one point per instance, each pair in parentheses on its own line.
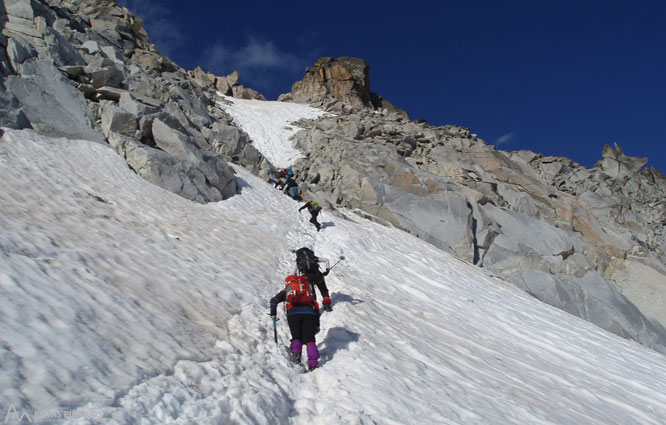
(270,125)
(124,299)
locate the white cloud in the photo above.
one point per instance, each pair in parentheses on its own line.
(255,61)
(505,139)
(261,64)
(256,54)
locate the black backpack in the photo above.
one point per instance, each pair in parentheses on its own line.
(306,261)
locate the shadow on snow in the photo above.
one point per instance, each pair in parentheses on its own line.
(337,338)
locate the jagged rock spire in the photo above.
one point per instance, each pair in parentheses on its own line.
(345,79)
(618,165)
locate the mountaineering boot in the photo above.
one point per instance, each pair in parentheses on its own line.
(296,349)
(313,355)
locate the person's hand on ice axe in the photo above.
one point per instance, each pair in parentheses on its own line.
(275,319)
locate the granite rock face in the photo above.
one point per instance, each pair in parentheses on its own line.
(549,225)
(86,69)
(344,79)
(51,103)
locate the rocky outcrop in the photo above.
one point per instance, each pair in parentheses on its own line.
(344,80)
(521,215)
(86,70)
(50,103)
(227,85)
(618,165)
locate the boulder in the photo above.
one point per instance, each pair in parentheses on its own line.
(115,54)
(28,28)
(61,51)
(241,92)
(73,72)
(10,113)
(103,72)
(117,120)
(51,103)
(212,167)
(91,47)
(222,85)
(618,165)
(193,104)
(110,27)
(232,78)
(139,105)
(235,145)
(106,92)
(176,118)
(171,172)
(19,50)
(202,78)
(148,60)
(173,141)
(19,8)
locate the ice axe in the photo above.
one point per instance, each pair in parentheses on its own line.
(275,319)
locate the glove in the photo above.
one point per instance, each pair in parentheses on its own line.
(326,272)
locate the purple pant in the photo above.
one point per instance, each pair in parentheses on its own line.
(311,348)
(313,354)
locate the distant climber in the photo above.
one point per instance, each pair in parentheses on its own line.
(302,318)
(280,182)
(291,189)
(281,178)
(288,172)
(307,264)
(314,209)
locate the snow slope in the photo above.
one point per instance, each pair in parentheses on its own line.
(270,125)
(125,304)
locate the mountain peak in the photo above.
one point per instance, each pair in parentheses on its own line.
(344,79)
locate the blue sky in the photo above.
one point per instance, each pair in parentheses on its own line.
(556,77)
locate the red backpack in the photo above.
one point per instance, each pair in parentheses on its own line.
(298,290)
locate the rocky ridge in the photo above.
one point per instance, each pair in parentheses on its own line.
(564,233)
(86,69)
(573,237)
(344,79)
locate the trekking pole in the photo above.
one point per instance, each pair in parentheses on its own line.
(342,257)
